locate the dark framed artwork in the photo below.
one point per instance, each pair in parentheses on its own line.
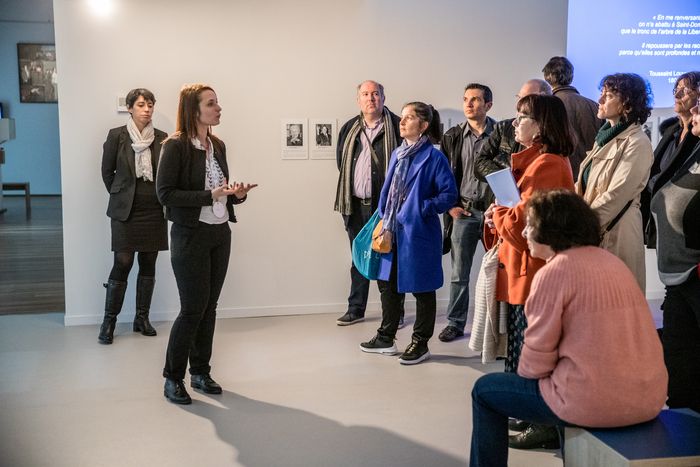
(38,79)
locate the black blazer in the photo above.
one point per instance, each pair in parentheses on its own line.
(678,158)
(180,182)
(119,169)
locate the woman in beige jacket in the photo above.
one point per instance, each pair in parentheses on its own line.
(616,170)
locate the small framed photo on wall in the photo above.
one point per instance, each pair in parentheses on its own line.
(324,137)
(38,78)
(294,138)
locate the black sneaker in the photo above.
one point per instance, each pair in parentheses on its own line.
(349,318)
(380,345)
(416,352)
(450,333)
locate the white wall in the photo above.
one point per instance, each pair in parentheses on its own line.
(270,60)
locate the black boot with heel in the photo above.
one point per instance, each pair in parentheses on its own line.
(144,293)
(113,305)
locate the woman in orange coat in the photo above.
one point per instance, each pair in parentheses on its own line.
(542,127)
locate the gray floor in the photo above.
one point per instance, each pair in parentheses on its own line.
(297,392)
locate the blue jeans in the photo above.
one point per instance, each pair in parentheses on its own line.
(495,397)
(466,232)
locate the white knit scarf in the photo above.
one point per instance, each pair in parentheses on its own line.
(141,143)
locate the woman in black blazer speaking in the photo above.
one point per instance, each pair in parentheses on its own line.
(193,186)
(129,165)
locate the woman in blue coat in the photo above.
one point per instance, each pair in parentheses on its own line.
(419,187)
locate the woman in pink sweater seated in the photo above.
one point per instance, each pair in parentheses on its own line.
(591,355)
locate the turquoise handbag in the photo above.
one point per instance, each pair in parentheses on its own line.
(365,259)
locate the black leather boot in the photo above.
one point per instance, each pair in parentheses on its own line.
(535,437)
(144,293)
(113,305)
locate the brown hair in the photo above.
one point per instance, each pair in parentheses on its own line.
(188,113)
(561,219)
(550,115)
(635,94)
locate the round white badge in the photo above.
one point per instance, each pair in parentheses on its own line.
(219,209)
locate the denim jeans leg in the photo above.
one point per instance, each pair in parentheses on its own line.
(495,397)
(466,232)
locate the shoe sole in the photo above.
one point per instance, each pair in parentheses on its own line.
(536,446)
(206,391)
(422,358)
(442,339)
(385,351)
(348,323)
(174,401)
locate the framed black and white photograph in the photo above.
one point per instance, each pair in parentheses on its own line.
(38,77)
(323,138)
(295,144)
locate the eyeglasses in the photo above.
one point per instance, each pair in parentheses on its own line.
(520,118)
(682,92)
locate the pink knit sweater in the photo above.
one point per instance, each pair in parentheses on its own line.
(591,341)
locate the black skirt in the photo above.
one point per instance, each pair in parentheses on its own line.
(146,228)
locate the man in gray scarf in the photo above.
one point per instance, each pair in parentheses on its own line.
(364,148)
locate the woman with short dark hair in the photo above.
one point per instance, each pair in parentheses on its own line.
(616,170)
(583,298)
(129,166)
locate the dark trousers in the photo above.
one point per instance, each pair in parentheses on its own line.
(359,285)
(199,256)
(495,397)
(392,309)
(681,342)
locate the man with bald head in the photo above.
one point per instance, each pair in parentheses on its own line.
(365,143)
(495,153)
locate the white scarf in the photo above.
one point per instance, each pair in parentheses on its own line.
(141,143)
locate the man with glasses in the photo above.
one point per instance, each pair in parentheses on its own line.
(365,143)
(582,112)
(674,148)
(463,222)
(495,152)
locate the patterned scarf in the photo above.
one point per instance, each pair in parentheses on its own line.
(343,195)
(397,190)
(608,132)
(141,144)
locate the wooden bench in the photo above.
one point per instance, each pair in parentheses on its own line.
(23,186)
(670,440)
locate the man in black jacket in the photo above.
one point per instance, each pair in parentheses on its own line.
(463,222)
(364,148)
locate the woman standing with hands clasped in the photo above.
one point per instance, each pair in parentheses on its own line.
(129,164)
(192,185)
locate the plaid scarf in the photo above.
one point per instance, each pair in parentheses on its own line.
(343,195)
(397,190)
